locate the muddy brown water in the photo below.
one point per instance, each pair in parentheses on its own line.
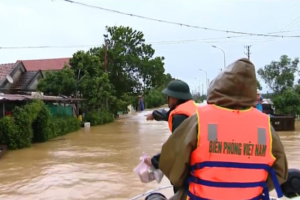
(95,164)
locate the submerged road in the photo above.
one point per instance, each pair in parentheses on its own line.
(95,164)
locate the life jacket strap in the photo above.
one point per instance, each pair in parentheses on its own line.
(270,170)
(260,197)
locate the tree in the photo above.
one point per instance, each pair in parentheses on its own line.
(287,101)
(97,90)
(258,85)
(131,70)
(59,82)
(279,75)
(155,98)
(131,63)
(152,73)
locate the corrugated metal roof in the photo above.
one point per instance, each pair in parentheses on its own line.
(267,101)
(20,97)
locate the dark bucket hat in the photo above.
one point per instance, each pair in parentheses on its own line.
(179,90)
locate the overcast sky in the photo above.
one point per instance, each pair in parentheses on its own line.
(46,22)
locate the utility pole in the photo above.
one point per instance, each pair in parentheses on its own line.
(105,71)
(105,62)
(248,51)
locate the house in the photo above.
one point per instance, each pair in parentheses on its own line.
(18,83)
(45,65)
(24,75)
(15,78)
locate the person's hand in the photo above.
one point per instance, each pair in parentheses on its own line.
(148,161)
(149,117)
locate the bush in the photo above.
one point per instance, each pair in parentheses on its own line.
(33,123)
(41,129)
(155,98)
(62,125)
(19,125)
(98,117)
(9,134)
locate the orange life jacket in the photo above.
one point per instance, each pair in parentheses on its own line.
(233,156)
(188,108)
(259,100)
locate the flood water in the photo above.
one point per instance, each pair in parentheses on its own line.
(95,164)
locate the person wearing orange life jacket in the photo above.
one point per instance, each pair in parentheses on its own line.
(181,107)
(180,102)
(259,101)
(228,150)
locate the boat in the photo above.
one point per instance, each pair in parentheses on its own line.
(3,149)
(151,192)
(145,194)
(279,122)
(290,189)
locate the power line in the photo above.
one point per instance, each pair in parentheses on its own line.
(153,43)
(292,24)
(204,40)
(207,40)
(288,12)
(180,24)
(284,30)
(48,47)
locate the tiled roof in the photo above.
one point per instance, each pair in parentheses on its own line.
(6,69)
(45,64)
(24,80)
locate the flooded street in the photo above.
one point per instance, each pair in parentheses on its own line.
(96,163)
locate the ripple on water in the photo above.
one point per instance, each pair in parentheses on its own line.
(95,164)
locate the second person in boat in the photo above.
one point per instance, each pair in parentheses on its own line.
(182,106)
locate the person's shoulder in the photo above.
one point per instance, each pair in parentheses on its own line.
(180,116)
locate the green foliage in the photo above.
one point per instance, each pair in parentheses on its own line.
(23,118)
(258,85)
(40,126)
(98,117)
(98,91)
(58,82)
(131,70)
(59,126)
(280,75)
(155,98)
(287,101)
(9,133)
(130,61)
(33,123)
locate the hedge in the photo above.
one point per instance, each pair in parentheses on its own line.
(98,117)
(33,123)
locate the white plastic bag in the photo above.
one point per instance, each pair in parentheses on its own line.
(146,173)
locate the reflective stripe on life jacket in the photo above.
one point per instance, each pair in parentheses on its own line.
(259,100)
(233,157)
(188,108)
